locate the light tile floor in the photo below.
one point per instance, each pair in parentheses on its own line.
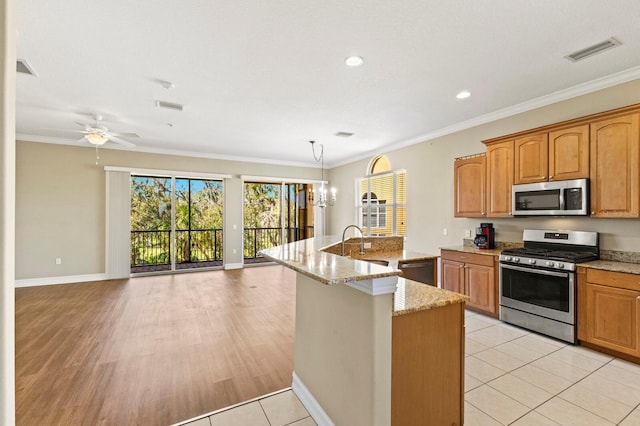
(512,377)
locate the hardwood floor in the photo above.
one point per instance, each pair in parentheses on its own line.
(152,350)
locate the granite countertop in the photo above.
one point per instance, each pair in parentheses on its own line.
(613,266)
(412,296)
(466,249)
(308,258)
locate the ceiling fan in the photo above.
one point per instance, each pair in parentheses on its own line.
(98,135)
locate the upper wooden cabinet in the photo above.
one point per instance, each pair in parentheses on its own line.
(557,155)
(531,159)
(569,153)
(615,169)
(469,183)
(499,178)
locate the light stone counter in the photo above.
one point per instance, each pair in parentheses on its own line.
(613,266)
(466,249)
(308,258)
(412,296)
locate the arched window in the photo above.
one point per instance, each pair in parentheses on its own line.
(381,203)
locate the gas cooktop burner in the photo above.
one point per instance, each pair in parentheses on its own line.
(540,253)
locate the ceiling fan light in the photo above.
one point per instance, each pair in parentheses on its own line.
(96,138)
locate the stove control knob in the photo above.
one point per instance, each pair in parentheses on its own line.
(560,266)
(516,259)
(507,258)
(532,261)
(550,264)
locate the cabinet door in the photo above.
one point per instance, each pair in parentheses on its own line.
(469,183)
(569,153)
(453,276)
(612,316)
(615,158)
(499,178)
(531,158)
(480,287)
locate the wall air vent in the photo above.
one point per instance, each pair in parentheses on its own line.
(343,134)
(592,50)
(169,105)
(23,67)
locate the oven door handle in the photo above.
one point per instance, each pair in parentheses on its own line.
(535,271)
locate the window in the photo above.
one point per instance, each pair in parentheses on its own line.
(381,199)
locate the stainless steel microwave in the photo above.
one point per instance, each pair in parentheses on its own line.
(558,198)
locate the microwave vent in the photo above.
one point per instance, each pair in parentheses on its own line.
(593,50)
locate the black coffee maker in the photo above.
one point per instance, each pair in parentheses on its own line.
(485,236)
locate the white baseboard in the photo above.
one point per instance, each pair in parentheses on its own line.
(233,266)
(31,282)
(309,402)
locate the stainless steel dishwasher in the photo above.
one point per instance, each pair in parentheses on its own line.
(423,270)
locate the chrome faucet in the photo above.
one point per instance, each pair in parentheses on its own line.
(361,238)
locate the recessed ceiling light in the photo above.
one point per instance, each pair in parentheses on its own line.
(354,61)
(463,95)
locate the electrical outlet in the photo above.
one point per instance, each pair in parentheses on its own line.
(234,251)
(467,233)
(58,261)
(367,245)
(235,226)
(445,231)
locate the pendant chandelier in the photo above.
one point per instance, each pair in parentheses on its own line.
(321,200)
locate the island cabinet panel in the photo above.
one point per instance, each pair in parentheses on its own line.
(569,153)
(473,275)
(469,187)
(427,367)
(609,306)
(531,159)
(615,167)
(499,178)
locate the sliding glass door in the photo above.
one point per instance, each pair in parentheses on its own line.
(176,223)
(274,213)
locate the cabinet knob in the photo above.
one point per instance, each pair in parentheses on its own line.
(544,177)
(551,177)
(593,212)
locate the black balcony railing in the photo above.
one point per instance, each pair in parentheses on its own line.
(256,239)
(153,248)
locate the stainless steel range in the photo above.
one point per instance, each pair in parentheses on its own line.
(537,281)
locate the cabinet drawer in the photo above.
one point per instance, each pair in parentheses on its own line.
(614,279)
(459,256)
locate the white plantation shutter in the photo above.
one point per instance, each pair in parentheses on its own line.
(381,203)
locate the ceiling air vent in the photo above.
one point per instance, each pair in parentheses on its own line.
(592,50)
(343,134)
(169,105)
(24,67)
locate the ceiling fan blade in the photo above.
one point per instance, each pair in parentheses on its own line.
(121,141)
(86,126)
(125,135)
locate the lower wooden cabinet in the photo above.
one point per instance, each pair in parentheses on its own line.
(427,367)
(473,275)
(609,310)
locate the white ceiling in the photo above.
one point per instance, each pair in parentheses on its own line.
(260,78)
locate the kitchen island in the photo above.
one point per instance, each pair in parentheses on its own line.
(370,347)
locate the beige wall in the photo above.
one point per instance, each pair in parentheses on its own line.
(343,351)
(429,168)
(60,203)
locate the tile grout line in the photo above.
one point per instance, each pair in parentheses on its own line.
(557,395)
